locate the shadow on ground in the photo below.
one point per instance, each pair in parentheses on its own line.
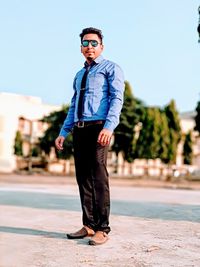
(28,231)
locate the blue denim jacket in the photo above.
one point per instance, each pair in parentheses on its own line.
(103,98)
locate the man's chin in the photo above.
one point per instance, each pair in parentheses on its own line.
(90,58)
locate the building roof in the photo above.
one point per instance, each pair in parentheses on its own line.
(187,115)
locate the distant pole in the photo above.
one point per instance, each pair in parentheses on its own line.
(198,28)
(30,147)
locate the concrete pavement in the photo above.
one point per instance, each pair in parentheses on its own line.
(150,227)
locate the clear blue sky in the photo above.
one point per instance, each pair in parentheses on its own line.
(155,42)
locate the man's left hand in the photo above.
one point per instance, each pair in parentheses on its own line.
(104,137)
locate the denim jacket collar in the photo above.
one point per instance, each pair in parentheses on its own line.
(97,60)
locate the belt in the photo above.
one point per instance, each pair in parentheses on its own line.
(82,124)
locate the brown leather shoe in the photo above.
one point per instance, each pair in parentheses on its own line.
(99,238)
(83,232)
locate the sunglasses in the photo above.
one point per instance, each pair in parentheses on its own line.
(85,43)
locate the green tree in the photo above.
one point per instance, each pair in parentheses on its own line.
(197,118)
(55,121)
(148,142)
(36,151)
(130,116)
(18,144)
(187,149)
(164,138)
(174,131)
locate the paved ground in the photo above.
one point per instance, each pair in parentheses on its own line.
(154,227)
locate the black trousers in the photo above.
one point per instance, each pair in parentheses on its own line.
(92,177)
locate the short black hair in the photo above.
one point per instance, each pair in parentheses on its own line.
(91,30)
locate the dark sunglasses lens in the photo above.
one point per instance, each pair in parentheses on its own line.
(94,43)
(85,43)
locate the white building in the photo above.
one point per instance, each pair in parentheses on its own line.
(12,107)
(188,124)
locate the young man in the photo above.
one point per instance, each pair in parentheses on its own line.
(93,115)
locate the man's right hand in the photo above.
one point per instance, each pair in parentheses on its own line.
(59,142)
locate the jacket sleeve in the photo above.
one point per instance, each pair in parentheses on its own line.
(69,121)
(116,90)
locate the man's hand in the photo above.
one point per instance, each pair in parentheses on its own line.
(104,137)
(59,142)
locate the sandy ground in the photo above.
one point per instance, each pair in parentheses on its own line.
(154,227)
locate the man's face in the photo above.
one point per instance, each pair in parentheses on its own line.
(92,49)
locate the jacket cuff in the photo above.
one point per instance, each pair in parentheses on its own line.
(63,133)
(109,125)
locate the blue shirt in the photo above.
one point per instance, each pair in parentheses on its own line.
(103,98)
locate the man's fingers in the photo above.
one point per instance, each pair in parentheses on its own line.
(59,142)
(100,138)
(104,138)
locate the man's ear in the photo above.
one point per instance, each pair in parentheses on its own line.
(81,49)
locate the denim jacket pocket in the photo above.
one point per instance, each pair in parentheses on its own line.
(96,80)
